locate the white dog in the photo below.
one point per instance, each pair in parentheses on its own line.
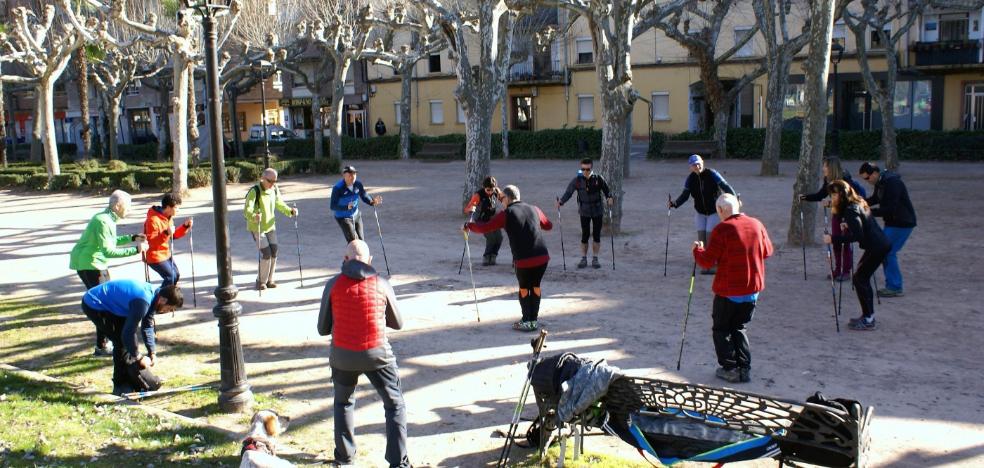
(259,446)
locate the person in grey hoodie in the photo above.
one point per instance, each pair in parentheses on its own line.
(356,308)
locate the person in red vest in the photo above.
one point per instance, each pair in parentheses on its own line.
(356,307)
(159,229)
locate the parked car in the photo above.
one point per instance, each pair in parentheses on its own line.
(276,132)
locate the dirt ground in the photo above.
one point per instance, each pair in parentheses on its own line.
(921,369)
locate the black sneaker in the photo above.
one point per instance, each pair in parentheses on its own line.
(492,259)
(863,324)
(271,284)
(730,375)
(583,263)
(104,351)
(260,286)
(595,263)
(744,375)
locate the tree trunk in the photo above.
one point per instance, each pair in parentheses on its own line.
(889,151)
(46,96)
(721,117)
(319,124)
(194,150)
(163,122)
(37,128)
(82,64)
(478,146)
(774,104)
(627,167)
(816,69)
(237,139)
(336,114)
(614,131)
(113,129)
(3,128)
(179,130)
(405,127)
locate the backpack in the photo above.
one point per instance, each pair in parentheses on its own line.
(818,438)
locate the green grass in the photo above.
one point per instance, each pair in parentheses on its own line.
(587,460)
(49,424)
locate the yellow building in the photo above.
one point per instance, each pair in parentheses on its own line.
(940,82)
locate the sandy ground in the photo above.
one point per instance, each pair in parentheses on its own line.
(921,369)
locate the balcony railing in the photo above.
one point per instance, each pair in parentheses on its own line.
(947,52)
(530,72)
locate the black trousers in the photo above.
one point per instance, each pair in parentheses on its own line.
(869,263)
(730,340)
(91,279)
(493,241)
(111,326)
(352,227)
(591,225)
(529,290)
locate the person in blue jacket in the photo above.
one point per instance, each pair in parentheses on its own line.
(122,308)
(345,196)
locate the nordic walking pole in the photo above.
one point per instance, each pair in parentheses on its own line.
(259,263)
(518,412)
(191,245)
(471,218)
(375,212)
(560,222)
(830,264)
(297,239)
(690,297)
(611,227)
(840,287)
(471,275)
(666,251)
(187,388)
(803,239)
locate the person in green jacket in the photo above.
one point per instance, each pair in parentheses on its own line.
(99,243)
(261,221)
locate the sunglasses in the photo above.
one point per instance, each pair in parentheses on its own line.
(585,169)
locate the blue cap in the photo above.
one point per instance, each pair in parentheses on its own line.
(695,159)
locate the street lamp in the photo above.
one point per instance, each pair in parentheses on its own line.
(261,68)
(234,394)
(836,54)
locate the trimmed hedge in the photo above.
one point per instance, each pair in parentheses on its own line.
(37,182)
(199,177)
(11,180)
(65,181)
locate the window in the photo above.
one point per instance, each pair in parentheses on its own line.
(139,124)
(585,53)
(954,27)
(794,107)
(461,113)
(225,122)
(585,108)
(840,34)
(437,112)
(661,105)
(747,49)
(242,121)
(434,64)
(913,104)
(396,110)
(60,89)
(133,88)
(876,42)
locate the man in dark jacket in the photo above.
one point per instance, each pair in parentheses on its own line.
(482,206)
(356,307)
(590,206)
(118,308)
(345,196)
(704,184)
(890,201)
(739,246)
(524,225)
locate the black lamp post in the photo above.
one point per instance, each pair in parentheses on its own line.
(836,54)
(234,394)
(261,68)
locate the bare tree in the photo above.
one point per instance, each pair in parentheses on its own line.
(116,72)
(780,49)
(698,27)
(880,18)
(42,46)
(816,68)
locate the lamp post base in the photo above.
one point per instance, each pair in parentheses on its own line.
(237,399)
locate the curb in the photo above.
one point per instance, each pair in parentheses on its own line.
(100,397)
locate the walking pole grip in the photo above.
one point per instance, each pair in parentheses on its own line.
(560,222)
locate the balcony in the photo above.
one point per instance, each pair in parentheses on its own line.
(947,53)
(528,73)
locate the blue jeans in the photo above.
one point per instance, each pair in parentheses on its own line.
(168,271)
(386,381)
(893,275)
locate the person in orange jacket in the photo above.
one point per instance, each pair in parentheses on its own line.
(159,228)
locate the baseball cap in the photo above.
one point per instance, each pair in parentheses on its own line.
(349,169)
(695,159)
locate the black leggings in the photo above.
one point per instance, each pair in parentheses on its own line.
(529,290)
(352,227)
(587,228)
(111,326)
(869,263)
(91,279)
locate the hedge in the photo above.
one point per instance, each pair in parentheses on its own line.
(913,145)
(66,181)
(11,180)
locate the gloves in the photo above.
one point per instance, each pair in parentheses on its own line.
(138,238)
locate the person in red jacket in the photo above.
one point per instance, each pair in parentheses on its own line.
(738,247)
(159,228)
(524,225)
(356,307)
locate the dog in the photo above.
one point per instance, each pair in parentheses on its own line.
(260,446)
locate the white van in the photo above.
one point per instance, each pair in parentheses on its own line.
(276,132)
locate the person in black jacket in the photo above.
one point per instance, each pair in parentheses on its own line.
(524,225)
(890,201)
(482,206)
(705,185)
(859,225)
(843,253)
(590,206)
